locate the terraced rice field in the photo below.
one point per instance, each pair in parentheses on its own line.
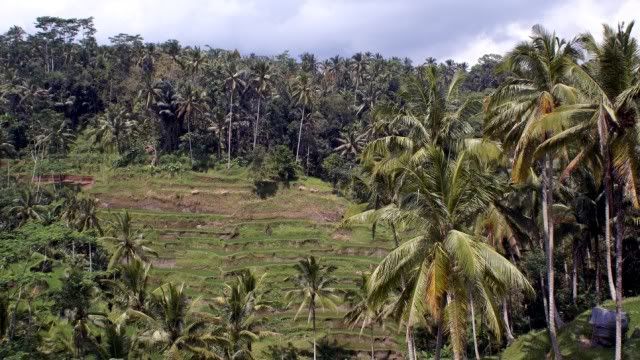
(206,225)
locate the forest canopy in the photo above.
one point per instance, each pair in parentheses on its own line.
(508,192)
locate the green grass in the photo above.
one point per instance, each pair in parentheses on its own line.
(191,234)
(535,345)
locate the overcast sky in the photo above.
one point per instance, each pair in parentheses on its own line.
(457,29)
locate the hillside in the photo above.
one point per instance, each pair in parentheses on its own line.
(574,337)
(206,225)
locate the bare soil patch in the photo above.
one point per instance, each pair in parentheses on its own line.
(84,181)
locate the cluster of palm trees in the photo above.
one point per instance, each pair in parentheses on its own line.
(565,109)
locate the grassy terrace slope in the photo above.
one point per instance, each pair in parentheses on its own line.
(205,225)
(535,345)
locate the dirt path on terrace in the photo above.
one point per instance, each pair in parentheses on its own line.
(84,181)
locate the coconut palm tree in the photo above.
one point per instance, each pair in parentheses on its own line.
(314,286)
(238,307)
(172,324)
(112,128)
(604,127)
(129,242)
(453,269)
(303,95)
(350,143)
(261,82)
(130,289)
(234,82)
(362,312)
(86,216)
(358,67)
(26,207)
(516,110)
(196,59)
(190,103)
(116,342)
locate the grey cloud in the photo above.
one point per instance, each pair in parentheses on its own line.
(413,28)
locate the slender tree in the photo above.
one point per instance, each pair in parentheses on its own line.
(314,286)
(303,95)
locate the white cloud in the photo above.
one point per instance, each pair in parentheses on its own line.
(568,19)
(462,30)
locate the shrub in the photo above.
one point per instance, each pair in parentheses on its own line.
(278,164)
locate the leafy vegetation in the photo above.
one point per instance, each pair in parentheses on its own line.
(142,214)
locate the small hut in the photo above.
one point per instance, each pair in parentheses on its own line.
(603,325)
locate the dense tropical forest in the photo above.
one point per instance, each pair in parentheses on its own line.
(169,201)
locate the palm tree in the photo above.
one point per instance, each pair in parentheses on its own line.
(172,323)
(358,67)
(606,122)
(115,342)
(238,306)
(26,207)
(195,60)
(130,289)
(350,143)
(129,242)
(314,286)
(190,103)
(452,269)
(303,95)
(262,82)
(515,114)
(362,312)
(86,216)
(234,82)
(112,127)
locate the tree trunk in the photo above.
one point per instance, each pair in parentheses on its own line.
(574,275)
(229,132)
(606,157)
(619,236)
(436,355)
(547,201)
(473,326)
(395,234)
(505,319)
(220,141)
(545,303)
(313,318)
(299,136)
(14,316)
(189,131)
(373,340)
(255,126)
(374,226)
(597,265)
(410,347)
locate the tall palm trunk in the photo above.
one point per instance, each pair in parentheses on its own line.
(229,142)
(597,265)
(436,355)
(255,126)
(505,319)
(395,234)
(373,340)
(606,157)
(619,236)
(313,319)
(574,274)
(189,131)
(473,326)
(410,347)
(547,217)
(299,136)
